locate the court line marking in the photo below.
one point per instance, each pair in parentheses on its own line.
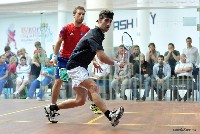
(99,117)
(21,111)
(161,113)
(163,125)
(95,119)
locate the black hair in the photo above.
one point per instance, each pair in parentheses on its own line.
(23,57)
(6,48)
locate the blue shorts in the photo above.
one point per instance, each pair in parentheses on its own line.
(62,63)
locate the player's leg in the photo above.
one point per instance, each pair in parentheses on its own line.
(113,116)
(80,99)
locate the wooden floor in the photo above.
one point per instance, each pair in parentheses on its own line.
(28,117)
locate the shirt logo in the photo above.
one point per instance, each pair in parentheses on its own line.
(82,33)
(71,34)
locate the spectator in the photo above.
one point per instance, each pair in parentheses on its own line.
(172,57)
(19,54)
(184,72)
(24,53)
(12,73)
(8,54)
(45,78)
(152,55)
(161,73)
(3,72)
(192,55)
(23,74)
(121,55)
(135,58)
(51,55)
(37,46)
(121,79)
(142,77)
(102,77)
(39,59)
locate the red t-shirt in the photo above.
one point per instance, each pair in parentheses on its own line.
(71,36)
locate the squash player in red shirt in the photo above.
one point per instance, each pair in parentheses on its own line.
(68,38)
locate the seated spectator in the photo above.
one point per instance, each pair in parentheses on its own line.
(121,79)
(134,59)
(51,55)
(12,72)
(24,53)
(152,55)
(172,57)
(39,59)
(4,69)
(12,65)
(45,78)
(121,55)
(19,55)
(161,73)
(102,77)
(184,72)
(37,46)
(8,54)
(144,76)
(23,74)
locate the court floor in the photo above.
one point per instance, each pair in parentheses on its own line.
(150,117)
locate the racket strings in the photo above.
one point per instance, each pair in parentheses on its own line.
(127,41)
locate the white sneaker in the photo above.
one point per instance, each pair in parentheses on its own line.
(15,95)
(115,116)
(51,114)
(27,98)
(39,99)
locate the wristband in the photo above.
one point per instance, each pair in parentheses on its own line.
(116,63)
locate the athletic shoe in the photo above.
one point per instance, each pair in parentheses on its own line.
(15,95)
(38,99)
(51,114)
(95,109)
(115,116)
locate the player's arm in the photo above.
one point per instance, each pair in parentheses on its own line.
(56,50)
(105,59)
(58,45)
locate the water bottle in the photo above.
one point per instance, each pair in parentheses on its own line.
(123,58)
(7,93)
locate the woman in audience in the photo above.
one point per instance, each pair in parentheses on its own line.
(45,78)
(24,53)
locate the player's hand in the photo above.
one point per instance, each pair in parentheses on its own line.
(97,67)
(53,61)
(121,64)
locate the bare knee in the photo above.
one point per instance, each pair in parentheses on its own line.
(93,88)
(80,102)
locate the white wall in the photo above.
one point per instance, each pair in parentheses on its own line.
(168,27)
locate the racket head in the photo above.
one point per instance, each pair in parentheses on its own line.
(127,40)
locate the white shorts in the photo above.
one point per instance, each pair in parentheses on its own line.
(78,75)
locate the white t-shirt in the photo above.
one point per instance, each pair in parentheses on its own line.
(184,65)
(23,71)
